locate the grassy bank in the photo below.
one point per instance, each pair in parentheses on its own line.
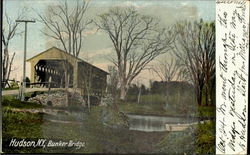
(21,125)
(198,140)
(12,102)
(158,105)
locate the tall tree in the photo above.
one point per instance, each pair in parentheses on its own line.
(195,49)
(9,31)
(137,40)
(66,24)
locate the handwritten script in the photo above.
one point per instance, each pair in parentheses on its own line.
(232,58)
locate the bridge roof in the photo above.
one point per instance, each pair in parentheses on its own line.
(63,53)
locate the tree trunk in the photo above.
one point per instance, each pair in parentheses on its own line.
(10,66)
(123,92)
(139,96)
(212,93)
(5,66)
(199,97)
(67,87)
(166,91)
(88,101)
(75,81)
(207,95)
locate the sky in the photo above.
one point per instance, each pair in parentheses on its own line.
(97,47)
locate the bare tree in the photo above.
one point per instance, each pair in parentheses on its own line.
(167,69)
(207,47)
(66,24)
(137,40)
(9,31)
(195,49)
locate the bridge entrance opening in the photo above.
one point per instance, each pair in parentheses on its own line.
(52,73)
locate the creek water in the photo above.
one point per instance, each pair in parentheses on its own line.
(146,123)
(150,123)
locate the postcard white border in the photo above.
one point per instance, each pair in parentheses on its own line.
(232,64)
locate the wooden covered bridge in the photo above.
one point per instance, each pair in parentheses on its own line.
(49,68)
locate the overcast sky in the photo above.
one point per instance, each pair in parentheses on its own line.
(97,46)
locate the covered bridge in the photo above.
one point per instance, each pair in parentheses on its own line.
(49,67)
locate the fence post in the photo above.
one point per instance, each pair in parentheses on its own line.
(49,83)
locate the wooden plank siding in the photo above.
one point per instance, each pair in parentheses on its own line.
(79,69)
(98,78)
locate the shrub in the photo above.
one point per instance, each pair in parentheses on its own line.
(11,101)
(198,140)
(205,138)
(177,143)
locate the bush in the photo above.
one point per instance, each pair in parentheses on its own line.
(198,140)
(177,143)
(14,84)
(205,138)
(11,101)
(206,111)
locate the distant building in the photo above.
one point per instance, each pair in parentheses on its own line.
(49,66)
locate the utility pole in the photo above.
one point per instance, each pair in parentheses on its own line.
(24,58)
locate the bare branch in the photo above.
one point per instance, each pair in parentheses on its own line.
(66,25)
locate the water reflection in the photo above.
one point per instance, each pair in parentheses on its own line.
(149,123)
